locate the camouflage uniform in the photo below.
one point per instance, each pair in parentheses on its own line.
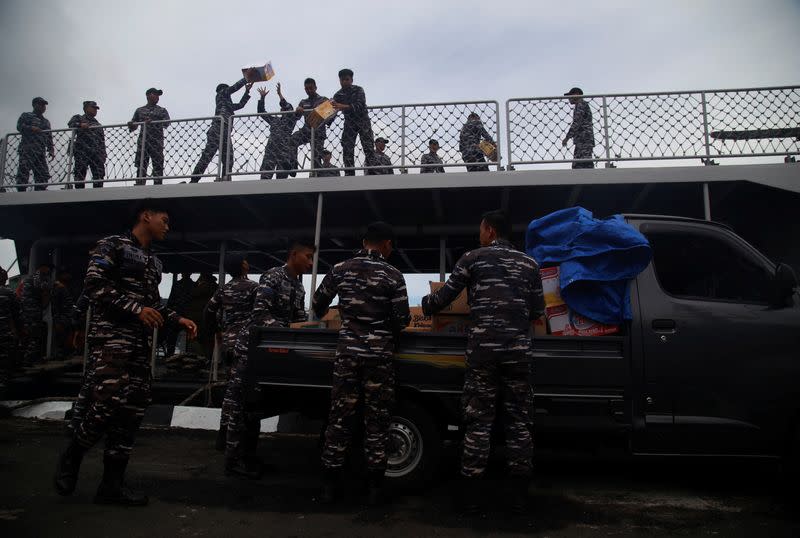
(122,279)
(215,138)
(9,311)
(79,310)
(277,154)
(302,136)
(228,310)
(472,133)
(431,158)
(505,294)
(582,133)
(89,149)
(153,144)
(179,297)
(379,158)
(35,295)
(33,148)
(374,309)
(279,301)
(356,124)
(327,171)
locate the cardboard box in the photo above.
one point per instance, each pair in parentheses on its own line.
(459,306)
(307,325)
(317,116)
(564,322)
(332,319)
(488,149)
(551,286)
(419,321)
(448,323)
(540,326)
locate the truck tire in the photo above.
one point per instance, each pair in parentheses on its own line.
(415,447)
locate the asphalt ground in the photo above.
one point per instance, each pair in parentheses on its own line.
(190,496)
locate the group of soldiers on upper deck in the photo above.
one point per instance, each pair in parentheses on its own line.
(89,150)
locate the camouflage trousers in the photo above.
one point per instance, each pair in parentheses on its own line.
(484,381)
(353,376)
(120,392)
(583,150)
(33,343)
(84,395)
(241,424)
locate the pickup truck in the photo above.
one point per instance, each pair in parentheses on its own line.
(709,364)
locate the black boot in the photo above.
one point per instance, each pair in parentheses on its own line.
(112,489)
(222,438)
(69,464)
(471,495)
(331,486)
(518,494)
(375,493)
(238,468)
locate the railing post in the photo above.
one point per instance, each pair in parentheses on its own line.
(71,156)
(508,132)
(229,149)
(142,171)
(605,133)
(313,162)
(707,141)
(442,258)
(497,132)
(50,343)
(3,151)
(317,234)
(220,160)
(403,169)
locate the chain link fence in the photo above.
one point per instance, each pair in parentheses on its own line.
(172,150)
(408,128)
(660,126)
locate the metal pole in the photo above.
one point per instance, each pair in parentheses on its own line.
(317,233)
(142,170)
(442,258)
(229,149)
(403,140)
(605,132)
(49,310)
(223,250)
(497,132)
(70,156)
(223,247)
(705,129)
(706,202)
(313,164)
(220,160)
(3,151)
(508,132)
(153,351)
(86,337)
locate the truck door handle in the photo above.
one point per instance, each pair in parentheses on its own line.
(664,325)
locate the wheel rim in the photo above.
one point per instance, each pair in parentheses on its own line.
(405,448)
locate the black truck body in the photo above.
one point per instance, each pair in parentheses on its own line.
(709,365)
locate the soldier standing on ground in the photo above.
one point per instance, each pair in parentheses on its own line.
(150,144)
(472,134)
(379,158)
(217,136)
(432,157)
(277,154)
(9,327)
(122,283)
(505,295)
(374,308)
(352,102)
(581,131)
(227,311)
(302,136)
(89,150)
(36,140)
(34,299)
(280,300)
(179,297)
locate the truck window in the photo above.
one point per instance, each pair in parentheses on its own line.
(703,266)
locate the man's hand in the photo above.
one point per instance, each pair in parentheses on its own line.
(131,126)
(35,129)
(247,87)
(262,91)
(151,317)
(189,325)
(564,142)
(339,106)
(278,87)
(299,110)
(83,125)
(52,153)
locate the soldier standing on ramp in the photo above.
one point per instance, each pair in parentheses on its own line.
(122,283)
(90,145)
(505,294)
(352,101)
(374,309)
(36,139)
(280,300)
(227,312)
(581,131)
(151,142)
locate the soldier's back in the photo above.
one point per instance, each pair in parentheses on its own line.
(237,302)
(366,285)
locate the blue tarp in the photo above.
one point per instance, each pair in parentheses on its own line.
(597,259)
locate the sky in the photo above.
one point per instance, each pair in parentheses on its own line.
(413,51)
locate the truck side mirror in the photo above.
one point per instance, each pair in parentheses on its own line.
(784,285)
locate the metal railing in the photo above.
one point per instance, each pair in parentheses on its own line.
(699,125)
(702,125)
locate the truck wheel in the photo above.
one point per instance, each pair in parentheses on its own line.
(415,447)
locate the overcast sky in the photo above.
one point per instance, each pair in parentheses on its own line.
(111,51)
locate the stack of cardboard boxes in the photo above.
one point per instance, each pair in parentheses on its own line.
(561,319)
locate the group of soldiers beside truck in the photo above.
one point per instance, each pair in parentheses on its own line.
(122,285)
